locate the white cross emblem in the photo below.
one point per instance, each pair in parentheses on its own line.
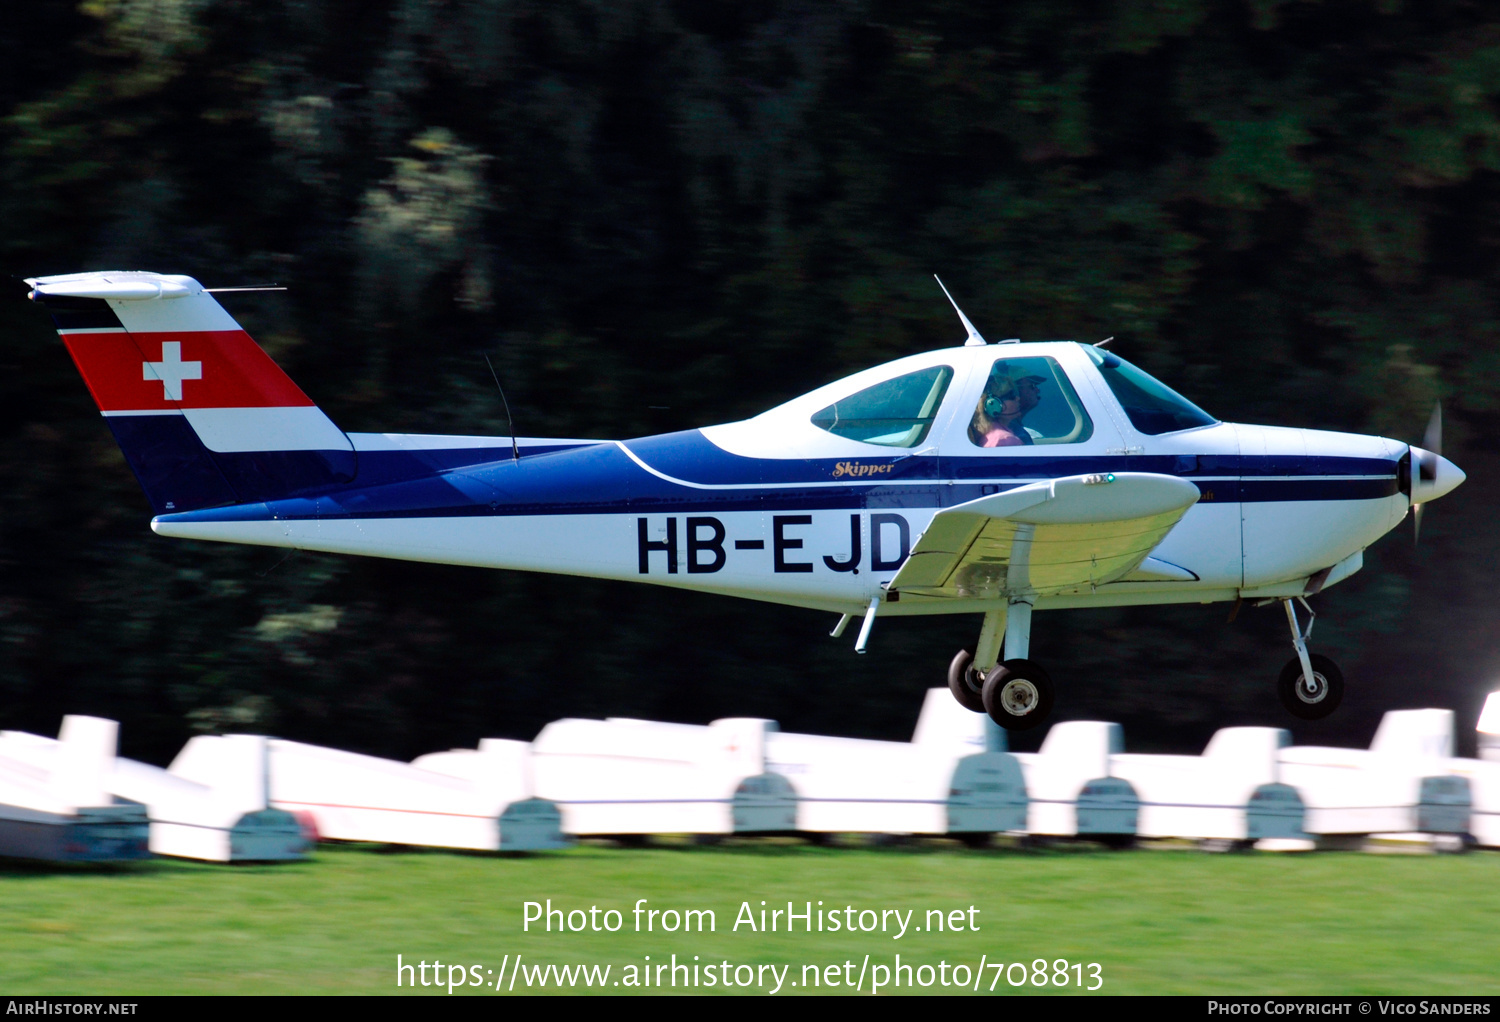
(172,370)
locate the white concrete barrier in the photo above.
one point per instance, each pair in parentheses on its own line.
(1230,793)
(634,777)
(1402,784)
(351,797)
(1073,792)
(54,803)
(941,782)
(219,814)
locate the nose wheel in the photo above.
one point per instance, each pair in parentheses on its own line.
(1311,686)
(1311,697)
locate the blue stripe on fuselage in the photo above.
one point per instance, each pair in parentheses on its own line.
(381,468)
(693,458)
(603,479)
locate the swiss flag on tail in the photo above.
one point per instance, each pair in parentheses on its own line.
(130,372)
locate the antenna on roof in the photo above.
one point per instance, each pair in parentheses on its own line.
(1104,343)
(509,424)
(974,336)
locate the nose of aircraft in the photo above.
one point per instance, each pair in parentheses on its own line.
(1432,476)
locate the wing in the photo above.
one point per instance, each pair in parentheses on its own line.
(1077,532)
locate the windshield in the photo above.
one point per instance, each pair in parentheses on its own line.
(893,413)
(1153,407)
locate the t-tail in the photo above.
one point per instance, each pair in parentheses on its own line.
(202,413)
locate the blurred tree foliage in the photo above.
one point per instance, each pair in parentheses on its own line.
(657,214)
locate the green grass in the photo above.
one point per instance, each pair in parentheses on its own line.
(1156,921)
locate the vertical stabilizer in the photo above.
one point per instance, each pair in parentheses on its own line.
(1489,728)
(204,416)
(85,757)
(1423,734)
(945,726)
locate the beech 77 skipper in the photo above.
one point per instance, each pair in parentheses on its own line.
(990,479)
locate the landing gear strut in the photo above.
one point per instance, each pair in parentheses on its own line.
(1016,693)
(1311,686)
(967,672)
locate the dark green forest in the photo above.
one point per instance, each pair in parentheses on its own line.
(659,214)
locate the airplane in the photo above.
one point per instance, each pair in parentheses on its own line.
(987,479)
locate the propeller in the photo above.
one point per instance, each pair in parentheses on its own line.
(1427,464)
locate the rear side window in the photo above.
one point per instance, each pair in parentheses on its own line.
(1153,407)
(893,413)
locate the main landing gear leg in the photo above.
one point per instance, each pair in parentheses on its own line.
(1017,693)
(1018,635)
(967,672)
(1311,686)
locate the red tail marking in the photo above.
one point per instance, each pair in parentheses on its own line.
(236,373)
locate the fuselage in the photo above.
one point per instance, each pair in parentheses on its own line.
(782,507)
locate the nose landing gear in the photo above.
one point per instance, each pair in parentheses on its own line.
(1315,699)
(1311,686)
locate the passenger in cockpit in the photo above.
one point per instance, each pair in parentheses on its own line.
(1006,400)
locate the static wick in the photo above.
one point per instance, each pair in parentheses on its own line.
(510,424)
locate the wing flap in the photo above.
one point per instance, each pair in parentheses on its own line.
(1064,534)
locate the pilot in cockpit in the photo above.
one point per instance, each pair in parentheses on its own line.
(1002,407)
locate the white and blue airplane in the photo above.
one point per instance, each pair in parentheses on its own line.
(989,479)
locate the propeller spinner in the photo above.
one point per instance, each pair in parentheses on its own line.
(1435,474)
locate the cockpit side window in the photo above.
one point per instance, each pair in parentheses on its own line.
(893,413)
(1152,406)
(1028,401)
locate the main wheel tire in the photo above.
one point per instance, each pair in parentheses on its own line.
(965,683)
(1017,695)
(1311,701)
